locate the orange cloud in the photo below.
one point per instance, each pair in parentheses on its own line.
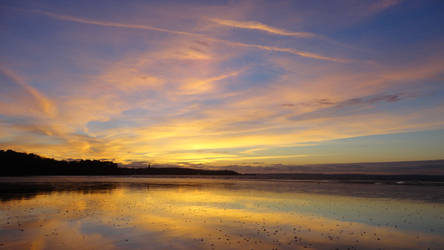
(198,86)
(261,27)
(45,105)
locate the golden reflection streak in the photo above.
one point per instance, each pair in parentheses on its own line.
(192,213)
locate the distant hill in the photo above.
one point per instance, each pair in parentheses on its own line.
(23,164)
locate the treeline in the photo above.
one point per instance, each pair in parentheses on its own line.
(23,164)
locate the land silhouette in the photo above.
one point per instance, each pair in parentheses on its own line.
(28,164)
(24,164)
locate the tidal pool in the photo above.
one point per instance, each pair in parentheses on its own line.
(216,213)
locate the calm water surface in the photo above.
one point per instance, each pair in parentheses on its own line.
(216,213)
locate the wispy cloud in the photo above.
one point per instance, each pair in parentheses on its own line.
(45,105)
(184,33)
(348,107)
(288,50)
(109,24)
(383,4)
(197,86)
(260,26)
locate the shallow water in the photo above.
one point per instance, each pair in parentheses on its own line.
(216,213)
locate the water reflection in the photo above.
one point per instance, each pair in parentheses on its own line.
(141,213)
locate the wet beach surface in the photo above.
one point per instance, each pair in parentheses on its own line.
(217,213)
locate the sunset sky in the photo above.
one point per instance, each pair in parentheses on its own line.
(221,83)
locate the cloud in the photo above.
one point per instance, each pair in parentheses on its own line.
(184,33)
(382,5)
(261,27)
(45,105)
(128,80)
(175,120)
(110,24)
(198,86)
(290,51)
(316,103)
(373,99)
(347,107)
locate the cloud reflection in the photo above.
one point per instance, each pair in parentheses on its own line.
(218,214)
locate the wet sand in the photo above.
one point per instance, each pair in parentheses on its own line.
(216,213)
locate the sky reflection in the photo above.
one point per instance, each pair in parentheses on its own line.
(213,214)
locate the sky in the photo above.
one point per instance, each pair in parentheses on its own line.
(223,83)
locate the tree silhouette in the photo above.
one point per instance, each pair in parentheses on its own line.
(23,164)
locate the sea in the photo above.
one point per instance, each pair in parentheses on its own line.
(219,212)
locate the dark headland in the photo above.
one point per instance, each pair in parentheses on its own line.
(24,164)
